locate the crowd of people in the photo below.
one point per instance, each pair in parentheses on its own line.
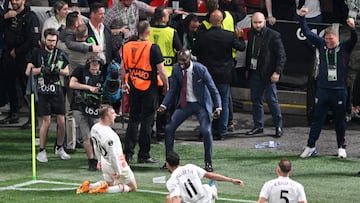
(170,68)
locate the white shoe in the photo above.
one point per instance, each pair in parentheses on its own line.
(42,157)
(308,151)
(62,154)
(342,153)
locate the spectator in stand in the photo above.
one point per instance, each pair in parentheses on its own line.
(335,11)
(168,40)
(80,3)
(76,58)
(280,10)
(21,36)
(189,6)
(123,18)
(67,38)
(314,15)
(188,30)
(58,20)
(100,34)
(235,7)
(331,92)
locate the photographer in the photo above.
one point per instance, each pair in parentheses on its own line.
(86,81)
(47,64)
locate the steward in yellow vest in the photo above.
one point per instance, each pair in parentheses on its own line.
(165,37)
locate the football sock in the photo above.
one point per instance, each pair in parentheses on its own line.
(58,147)
(97,184)
(41,149)
(118,188)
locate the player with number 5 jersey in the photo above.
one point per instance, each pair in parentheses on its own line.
(282,189)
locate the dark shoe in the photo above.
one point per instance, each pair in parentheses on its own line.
(230,128)
(220,137)
(10,119)
(255,131)
(278,132)
(147,161)
(79,145)
(163,167)
(92,164)
(208,167)
(358,174)
(70,151)
(27,125)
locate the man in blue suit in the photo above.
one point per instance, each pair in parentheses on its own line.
(197,96)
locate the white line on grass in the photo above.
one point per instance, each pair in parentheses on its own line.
(223,199)
(18,187)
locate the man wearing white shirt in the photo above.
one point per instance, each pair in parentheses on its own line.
(282,189)
(185,185)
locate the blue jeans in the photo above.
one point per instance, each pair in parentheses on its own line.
(222,122)
(179,116)
(335,100)
(257,88)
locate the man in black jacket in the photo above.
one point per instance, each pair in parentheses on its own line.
(21,35)
(265,60)
(214,49)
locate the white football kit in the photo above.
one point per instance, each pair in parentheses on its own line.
(185,181)
(109,152)
(283,189)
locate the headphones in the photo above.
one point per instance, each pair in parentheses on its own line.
(92,59)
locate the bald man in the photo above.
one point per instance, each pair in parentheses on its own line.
(265,60)
(214,49)
(289,191)
(216,18)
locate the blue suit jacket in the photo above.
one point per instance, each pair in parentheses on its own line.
(204,88)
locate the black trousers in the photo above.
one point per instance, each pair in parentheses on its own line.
(142,111)
(14,80)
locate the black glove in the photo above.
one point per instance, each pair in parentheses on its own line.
(50,70)
(55,70)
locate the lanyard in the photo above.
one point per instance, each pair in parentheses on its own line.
(128,14)
(327,56)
